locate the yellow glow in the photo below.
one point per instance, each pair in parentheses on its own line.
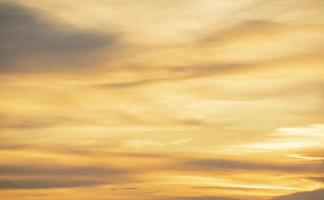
(163,99)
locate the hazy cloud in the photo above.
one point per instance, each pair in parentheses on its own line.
(251,28)
(46,183)
(58,170)
(319,179)
(182,73)
(28,37)
(313,195)
(164,100)
(57,176)
(221,164)
(201,198)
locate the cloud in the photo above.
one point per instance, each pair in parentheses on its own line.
(58,170)
(224,165)
(199,70)
(46,183)
(200,198)
(319,179)
(125,188)
(313,195)
(57,176)
(181,73)
(143,143)
(292,138)
(249,28)
(19,122)
(27,37)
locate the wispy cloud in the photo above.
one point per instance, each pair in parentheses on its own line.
(293,138)
(161,100)
(230,165)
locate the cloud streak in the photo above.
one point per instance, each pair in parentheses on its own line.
(42,183)
(229,165)
(37,177)
(165,99)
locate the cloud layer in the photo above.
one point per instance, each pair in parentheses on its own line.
(161,100)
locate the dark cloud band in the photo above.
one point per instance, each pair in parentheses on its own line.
(29,42)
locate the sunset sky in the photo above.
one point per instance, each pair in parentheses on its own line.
(161,99)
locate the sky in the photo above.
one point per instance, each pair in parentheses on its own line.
(162,99)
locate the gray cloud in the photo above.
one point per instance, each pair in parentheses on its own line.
(29,123)
(58,170)
(199,198)
(313,195)
(319,179)
(46,183)
(26,34)
(58,176)
(125,188)
(224,165)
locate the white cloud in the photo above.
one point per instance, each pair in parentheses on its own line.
(292,138)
